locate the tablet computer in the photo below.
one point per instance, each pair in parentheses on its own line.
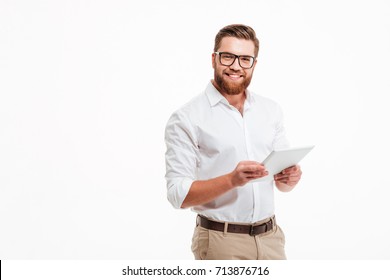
(281,159)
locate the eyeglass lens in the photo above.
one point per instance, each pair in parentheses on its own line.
(228,59)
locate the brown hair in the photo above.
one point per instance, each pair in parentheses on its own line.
(238,31)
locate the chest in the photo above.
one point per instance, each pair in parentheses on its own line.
(229,132)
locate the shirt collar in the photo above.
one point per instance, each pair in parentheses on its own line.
(215,96)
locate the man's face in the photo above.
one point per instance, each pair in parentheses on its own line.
(233,79)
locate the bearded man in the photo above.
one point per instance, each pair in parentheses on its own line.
(215,144)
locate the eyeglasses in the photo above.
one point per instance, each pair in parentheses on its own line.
(227,59)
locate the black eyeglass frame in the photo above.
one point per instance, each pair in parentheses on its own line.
(235,57)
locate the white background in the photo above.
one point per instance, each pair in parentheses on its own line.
(86,88)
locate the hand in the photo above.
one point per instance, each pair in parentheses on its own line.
(246,171)
(289,176)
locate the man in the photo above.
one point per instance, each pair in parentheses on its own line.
(214,146)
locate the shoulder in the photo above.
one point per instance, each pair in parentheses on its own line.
(189,114)
(193,108)
(197,103)
(265,103)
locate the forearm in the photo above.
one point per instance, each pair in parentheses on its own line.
(203,191)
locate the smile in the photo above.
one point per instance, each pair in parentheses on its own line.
(234,76)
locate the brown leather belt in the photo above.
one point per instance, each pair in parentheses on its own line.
(237,228)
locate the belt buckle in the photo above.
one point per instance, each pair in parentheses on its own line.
(252,231)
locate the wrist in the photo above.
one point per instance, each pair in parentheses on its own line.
(283,187)
(230,181)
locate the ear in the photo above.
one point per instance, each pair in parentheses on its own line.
(254,65)
(213,60)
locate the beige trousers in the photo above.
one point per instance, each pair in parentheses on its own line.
(216,245)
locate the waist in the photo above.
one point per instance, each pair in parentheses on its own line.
(241,228)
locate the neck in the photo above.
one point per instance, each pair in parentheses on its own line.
(236,100)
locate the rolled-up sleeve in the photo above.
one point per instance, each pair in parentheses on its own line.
(181,157)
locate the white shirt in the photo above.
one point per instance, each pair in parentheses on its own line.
(208,137)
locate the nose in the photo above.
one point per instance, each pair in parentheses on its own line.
(235,65)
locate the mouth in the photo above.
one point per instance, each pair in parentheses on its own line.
(234,76)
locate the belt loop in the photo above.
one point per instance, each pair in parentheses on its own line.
(225,228)
(273,221)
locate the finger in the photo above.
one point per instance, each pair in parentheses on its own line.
(282,176)
(291,169)
(287,179)
(256,177)
(256,174)
(288,182)
(253,168)
(289,175)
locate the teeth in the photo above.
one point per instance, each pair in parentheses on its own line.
(234,76)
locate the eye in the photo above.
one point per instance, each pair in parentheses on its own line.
(246,58)
(227,56)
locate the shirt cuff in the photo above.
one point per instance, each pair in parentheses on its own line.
(178,191)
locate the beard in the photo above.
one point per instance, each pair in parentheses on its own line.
(230,87)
